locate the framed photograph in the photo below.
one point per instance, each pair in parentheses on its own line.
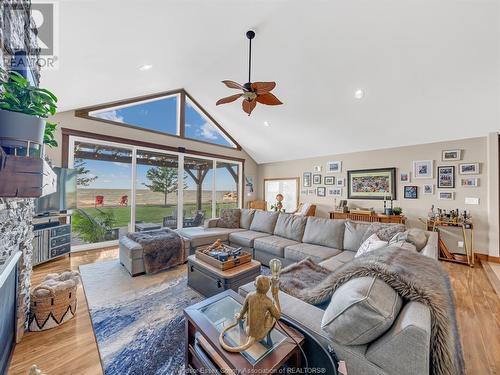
(447,195)
(469,168)
(321,192)
(329,180)
(334,167)
(451,155)
(411,192)
(303,192)
(307,179)
(446,177)
(316,179)
(404,177)
(341,182)
(423,169)
(336,192)
(311,191)
(428,189)
(317,168)
(372,184)
(469,182)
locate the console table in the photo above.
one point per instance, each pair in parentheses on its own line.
(379,218)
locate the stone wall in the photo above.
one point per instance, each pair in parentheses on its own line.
(16,215)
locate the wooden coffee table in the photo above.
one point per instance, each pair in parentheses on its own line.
(205,320)
(209,280)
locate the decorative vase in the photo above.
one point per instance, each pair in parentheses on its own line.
(17,129)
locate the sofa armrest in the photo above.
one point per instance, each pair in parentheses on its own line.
(405,347)
(211,223)
(431,248)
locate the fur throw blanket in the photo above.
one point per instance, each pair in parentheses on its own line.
(413,276)
(162,249)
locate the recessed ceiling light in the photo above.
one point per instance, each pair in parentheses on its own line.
(359,94)
(266,123)
(145,67)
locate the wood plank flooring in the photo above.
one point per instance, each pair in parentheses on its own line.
(71,348)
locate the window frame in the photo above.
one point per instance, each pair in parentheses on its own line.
(296,179)
(181,118)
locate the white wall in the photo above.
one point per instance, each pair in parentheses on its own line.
(473,150)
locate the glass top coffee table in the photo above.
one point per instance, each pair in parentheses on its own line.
(209,317)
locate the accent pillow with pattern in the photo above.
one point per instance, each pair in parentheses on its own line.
(384,231)
(229,218)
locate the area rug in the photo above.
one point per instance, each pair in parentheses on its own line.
(138,322)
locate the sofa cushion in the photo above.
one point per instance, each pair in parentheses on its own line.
(245,238)
(372,243)
(324,232)
(345,256)
(353,234)
(331,264)
(361,310)
(229,218)
(384,231)
(199,236)
(264,221)
(273,245)
(290,226)
(304,250)
(246,218)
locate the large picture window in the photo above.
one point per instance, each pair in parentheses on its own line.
(288,187)
(123,188)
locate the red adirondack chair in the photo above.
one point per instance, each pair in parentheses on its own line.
(99,201)
(124,200)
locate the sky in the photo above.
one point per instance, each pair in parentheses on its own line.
(161,115)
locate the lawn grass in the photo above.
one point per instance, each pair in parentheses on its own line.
(153,214)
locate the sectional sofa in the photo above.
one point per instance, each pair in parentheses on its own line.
(367,324)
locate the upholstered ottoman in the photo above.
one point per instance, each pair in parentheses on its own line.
(131,253)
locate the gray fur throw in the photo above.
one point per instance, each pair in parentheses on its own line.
(414,276)
(162,249)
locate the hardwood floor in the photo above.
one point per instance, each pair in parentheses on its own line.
(71,348)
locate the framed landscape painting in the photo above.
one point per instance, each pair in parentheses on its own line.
(372,184)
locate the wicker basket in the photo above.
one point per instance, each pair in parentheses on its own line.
(53,308)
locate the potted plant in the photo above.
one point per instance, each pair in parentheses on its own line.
(397,211)
(23,110)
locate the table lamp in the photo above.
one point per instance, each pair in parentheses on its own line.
(275,266)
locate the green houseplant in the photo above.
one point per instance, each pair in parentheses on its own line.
(397,210)
(23,110)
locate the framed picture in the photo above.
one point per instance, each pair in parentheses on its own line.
(404,177)
(451,155)
(334,167)
(411,192)
(447,195)
(372,184)
(469,182)
(307,179)
(311,191)
(317,168)
(428,189)
(336,192)
(303,192)
(329,180)
(446,177)
(469,168)
(341,182)
(423,169)
(316,179)
(321,192)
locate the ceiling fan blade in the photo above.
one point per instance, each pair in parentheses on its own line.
(228,99)
(248,106)
(263,87)
(268,99)
(233,85)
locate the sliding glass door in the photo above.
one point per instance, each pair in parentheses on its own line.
(123,188)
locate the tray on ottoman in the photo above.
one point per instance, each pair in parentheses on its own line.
(230,263)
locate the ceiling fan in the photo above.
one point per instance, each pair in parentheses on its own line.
(253,92)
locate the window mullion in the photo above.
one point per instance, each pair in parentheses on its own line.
(214,193)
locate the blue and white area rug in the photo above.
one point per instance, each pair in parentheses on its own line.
(138,322)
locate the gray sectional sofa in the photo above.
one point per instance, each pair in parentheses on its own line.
(375,331)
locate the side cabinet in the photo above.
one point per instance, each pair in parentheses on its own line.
(51,241)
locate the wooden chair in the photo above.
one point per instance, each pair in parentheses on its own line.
(310,210)
(99,201)
(258,205)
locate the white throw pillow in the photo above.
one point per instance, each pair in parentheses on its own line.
(372,243)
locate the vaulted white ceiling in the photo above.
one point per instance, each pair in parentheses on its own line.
(430,69)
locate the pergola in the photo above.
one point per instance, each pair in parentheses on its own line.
(197,169)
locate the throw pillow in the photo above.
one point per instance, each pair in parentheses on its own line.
(384,231)
(246,218)
(417,237)
(353,234)
(360,311)
(400,240)
(229,218)
(372,243)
